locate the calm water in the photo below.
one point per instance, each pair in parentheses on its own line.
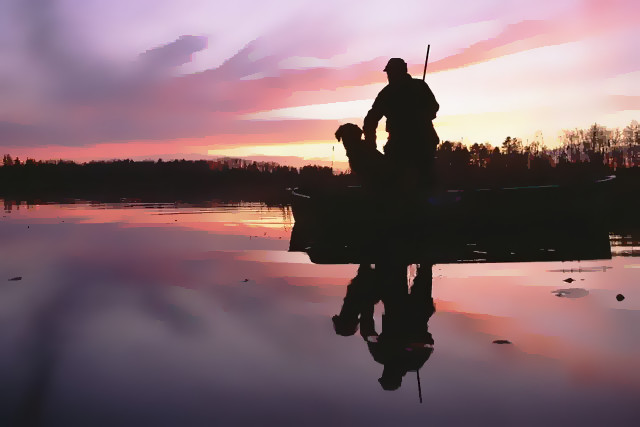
(153,315)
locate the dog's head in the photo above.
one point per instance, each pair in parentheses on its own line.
(349,133)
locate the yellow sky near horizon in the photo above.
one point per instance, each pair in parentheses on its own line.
(281,86)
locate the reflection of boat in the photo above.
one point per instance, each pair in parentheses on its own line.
(536,223)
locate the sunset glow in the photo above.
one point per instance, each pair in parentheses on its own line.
(89,80)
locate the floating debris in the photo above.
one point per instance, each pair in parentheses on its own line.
(15,279)
(569,280)
(501,342)
(620,297)
(571,293)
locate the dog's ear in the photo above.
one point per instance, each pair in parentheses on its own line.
(339,133)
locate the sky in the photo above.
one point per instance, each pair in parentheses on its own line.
(273,79)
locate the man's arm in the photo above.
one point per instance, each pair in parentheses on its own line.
(371,120)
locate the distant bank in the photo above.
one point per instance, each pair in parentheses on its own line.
(239,180)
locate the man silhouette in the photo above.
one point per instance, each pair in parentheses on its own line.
(405,343)
(409,107)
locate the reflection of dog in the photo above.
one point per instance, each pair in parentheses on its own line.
(364,159)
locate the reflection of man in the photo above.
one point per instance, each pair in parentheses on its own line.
(409,107)
(404,343)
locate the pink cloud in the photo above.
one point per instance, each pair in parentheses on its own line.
(595,17)
(91,104)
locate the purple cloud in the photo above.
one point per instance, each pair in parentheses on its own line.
(173,54)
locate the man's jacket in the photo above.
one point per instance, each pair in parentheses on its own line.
(409,106)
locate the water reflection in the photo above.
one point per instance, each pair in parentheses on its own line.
(385,251)
(404,343)
(125,316)
(625,243)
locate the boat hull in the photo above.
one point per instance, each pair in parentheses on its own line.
(543,223)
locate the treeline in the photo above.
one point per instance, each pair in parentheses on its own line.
(229,179)
(457,167)
(513,164)
(584,155)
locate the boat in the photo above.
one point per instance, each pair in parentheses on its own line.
(506,224)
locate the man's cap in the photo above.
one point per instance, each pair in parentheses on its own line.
(396,64)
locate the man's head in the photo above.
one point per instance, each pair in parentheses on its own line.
(396,68)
